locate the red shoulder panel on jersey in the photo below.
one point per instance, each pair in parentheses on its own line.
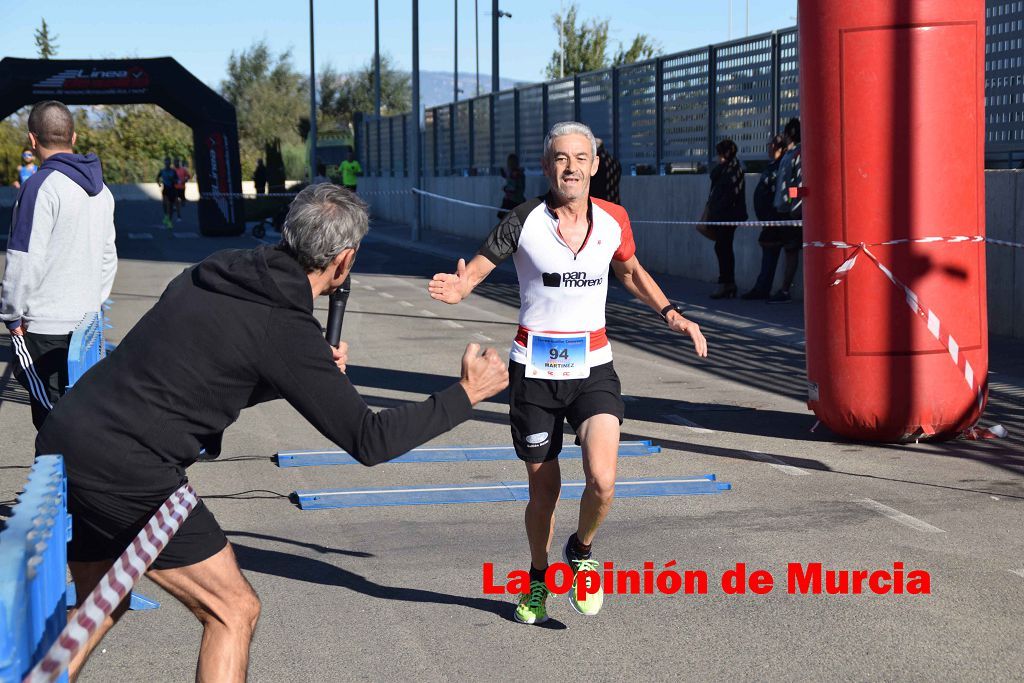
(627,247)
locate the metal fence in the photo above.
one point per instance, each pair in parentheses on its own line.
(667,113)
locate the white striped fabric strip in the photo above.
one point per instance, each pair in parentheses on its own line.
(116,584)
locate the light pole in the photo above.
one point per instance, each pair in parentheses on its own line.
(312,99)
(414,151)
(376,56)
(476,28)
(455,86)
(495,15)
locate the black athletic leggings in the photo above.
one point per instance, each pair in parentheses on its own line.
(723,250)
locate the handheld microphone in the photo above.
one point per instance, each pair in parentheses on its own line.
(336,311)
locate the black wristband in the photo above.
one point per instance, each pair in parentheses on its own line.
(665,311)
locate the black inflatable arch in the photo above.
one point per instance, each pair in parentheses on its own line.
(160,81)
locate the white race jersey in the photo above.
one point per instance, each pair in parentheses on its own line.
(560,291)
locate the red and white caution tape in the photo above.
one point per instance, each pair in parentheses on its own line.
(116,584)
(932,321)
(952,239)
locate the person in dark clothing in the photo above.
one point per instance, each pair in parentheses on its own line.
(233,331)
(764,208)
(790,208)
(259,177)
(515,185)
(605,183)
(727,202)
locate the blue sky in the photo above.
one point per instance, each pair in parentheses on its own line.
(201,34)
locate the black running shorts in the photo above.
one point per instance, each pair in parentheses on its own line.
(104,524)
(538,408)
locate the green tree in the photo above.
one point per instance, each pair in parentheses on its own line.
(45,43)
(642,48)
(342,95)
(584,46)
(270,99)
(132,140)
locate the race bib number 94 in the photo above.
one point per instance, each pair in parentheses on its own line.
(558,356)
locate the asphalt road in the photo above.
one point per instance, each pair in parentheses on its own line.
(396,592)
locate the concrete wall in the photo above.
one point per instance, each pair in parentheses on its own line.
(673,249)
(679,250)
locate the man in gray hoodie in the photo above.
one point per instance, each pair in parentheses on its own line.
(61,258)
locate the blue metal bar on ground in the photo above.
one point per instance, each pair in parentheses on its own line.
(334,456)
(498,492)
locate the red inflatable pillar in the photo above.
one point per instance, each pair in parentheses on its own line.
(892,107)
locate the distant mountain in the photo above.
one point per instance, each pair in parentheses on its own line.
(436,86)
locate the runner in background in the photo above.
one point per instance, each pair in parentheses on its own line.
(181,168)
(350,171)
(27,169)
(166,178)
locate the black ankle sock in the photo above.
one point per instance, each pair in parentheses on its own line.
(578,547)
(537,574)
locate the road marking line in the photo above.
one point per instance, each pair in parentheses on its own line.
(481,337)
(1018,572)
(452,323)
(370,288)
(356,282)
(406,303)
(689,424)
(386,295)
(778,464)
(429,314)
(901,517)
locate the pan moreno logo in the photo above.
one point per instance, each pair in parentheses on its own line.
(570,279)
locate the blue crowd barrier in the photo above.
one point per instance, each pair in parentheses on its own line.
(87,347)
(33,561)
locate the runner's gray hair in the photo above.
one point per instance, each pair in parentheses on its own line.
(323,221)
(569,128)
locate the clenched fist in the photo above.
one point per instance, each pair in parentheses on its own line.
(483,374)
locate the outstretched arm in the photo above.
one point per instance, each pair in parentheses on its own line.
(452,288)
(640,284)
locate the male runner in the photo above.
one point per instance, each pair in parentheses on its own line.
(181,170)
(350,171)
(166,177)
(228,333)
(561,362)
(27,169)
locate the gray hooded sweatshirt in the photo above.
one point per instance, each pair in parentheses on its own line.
(61,257)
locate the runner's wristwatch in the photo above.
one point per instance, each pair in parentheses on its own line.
(671,307)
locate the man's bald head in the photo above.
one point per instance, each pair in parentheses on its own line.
(52,125)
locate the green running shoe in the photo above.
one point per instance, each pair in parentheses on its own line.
(531,609)
(591,604)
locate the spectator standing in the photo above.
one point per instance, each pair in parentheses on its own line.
(727,203)
(27,169)
(166,178)
(259,177)
(181,169)
(764,208)
(605,183)
(789,208)
(61,256)
(350,171)
(515,185)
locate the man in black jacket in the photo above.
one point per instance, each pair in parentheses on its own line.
(233,331)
